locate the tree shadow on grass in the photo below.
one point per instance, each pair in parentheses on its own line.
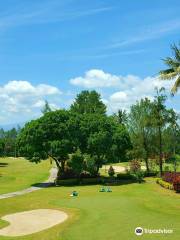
(43,185)
(2,164)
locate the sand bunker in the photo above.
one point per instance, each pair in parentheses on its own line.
(119,169)
(29,222)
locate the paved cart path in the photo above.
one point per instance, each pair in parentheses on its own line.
(49,182)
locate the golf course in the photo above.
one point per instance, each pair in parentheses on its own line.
(89,120)
(94,214)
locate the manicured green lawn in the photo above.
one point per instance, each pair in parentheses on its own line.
(103,216)
(18,173)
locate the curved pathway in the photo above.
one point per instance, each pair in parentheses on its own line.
(49,182)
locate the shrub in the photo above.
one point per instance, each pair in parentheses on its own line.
(150,174)
(90,165)
(166,169)
(164,184)
(66,182)
(111,171)
(139,176)
(85,174)
(91,181)
(67,174)
(176,183)
(135,166)
(125,176)
(76,162)
(169,176)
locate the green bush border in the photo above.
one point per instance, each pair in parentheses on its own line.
(164,184)
(97,180)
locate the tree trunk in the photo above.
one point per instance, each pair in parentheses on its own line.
(62,165)
(146,150)
(160,151)
(56,161)
(147,164)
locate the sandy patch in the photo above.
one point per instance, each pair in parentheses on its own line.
(119,169)
(29,222)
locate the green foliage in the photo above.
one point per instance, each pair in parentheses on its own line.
(139,175)
(88,102)
(60,133)
(76,162)
(46,108)
(173,70)
(46,137)
(66,182)
(135,166)
(125,176)
(8,142)
(90,164)
(164,184)
(140,129)
(111,171)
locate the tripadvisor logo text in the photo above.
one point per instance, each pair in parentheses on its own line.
(140,231)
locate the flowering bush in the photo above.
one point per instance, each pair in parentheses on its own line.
(169,176)
(176,183)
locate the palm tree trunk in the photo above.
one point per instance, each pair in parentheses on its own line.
(160,151)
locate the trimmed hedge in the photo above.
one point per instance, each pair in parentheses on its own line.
(91,181)
(125,176)
(150,174)
(74,181)
(66,182)
(98,180)
(164,184)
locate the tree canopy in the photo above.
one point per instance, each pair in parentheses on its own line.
(88,102)
(59,134)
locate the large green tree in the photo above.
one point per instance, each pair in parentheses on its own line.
(160,119)
(140,129)
(47,136)
(173,70)
(88,102)
(85,128)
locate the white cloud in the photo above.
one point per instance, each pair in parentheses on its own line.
(140,88)
(127,89)
(119,96)
(96,78)
(20,100)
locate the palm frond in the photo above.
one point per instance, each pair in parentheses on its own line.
(176,86)
(176,52)
(178,70)
(167,74)
(171,62)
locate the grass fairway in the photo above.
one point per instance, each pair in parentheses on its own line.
(103,216)
(18,173)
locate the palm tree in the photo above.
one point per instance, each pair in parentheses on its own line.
(173,72)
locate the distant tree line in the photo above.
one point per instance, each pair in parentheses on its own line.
(8,142)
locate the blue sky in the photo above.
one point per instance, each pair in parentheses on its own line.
(52,50)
